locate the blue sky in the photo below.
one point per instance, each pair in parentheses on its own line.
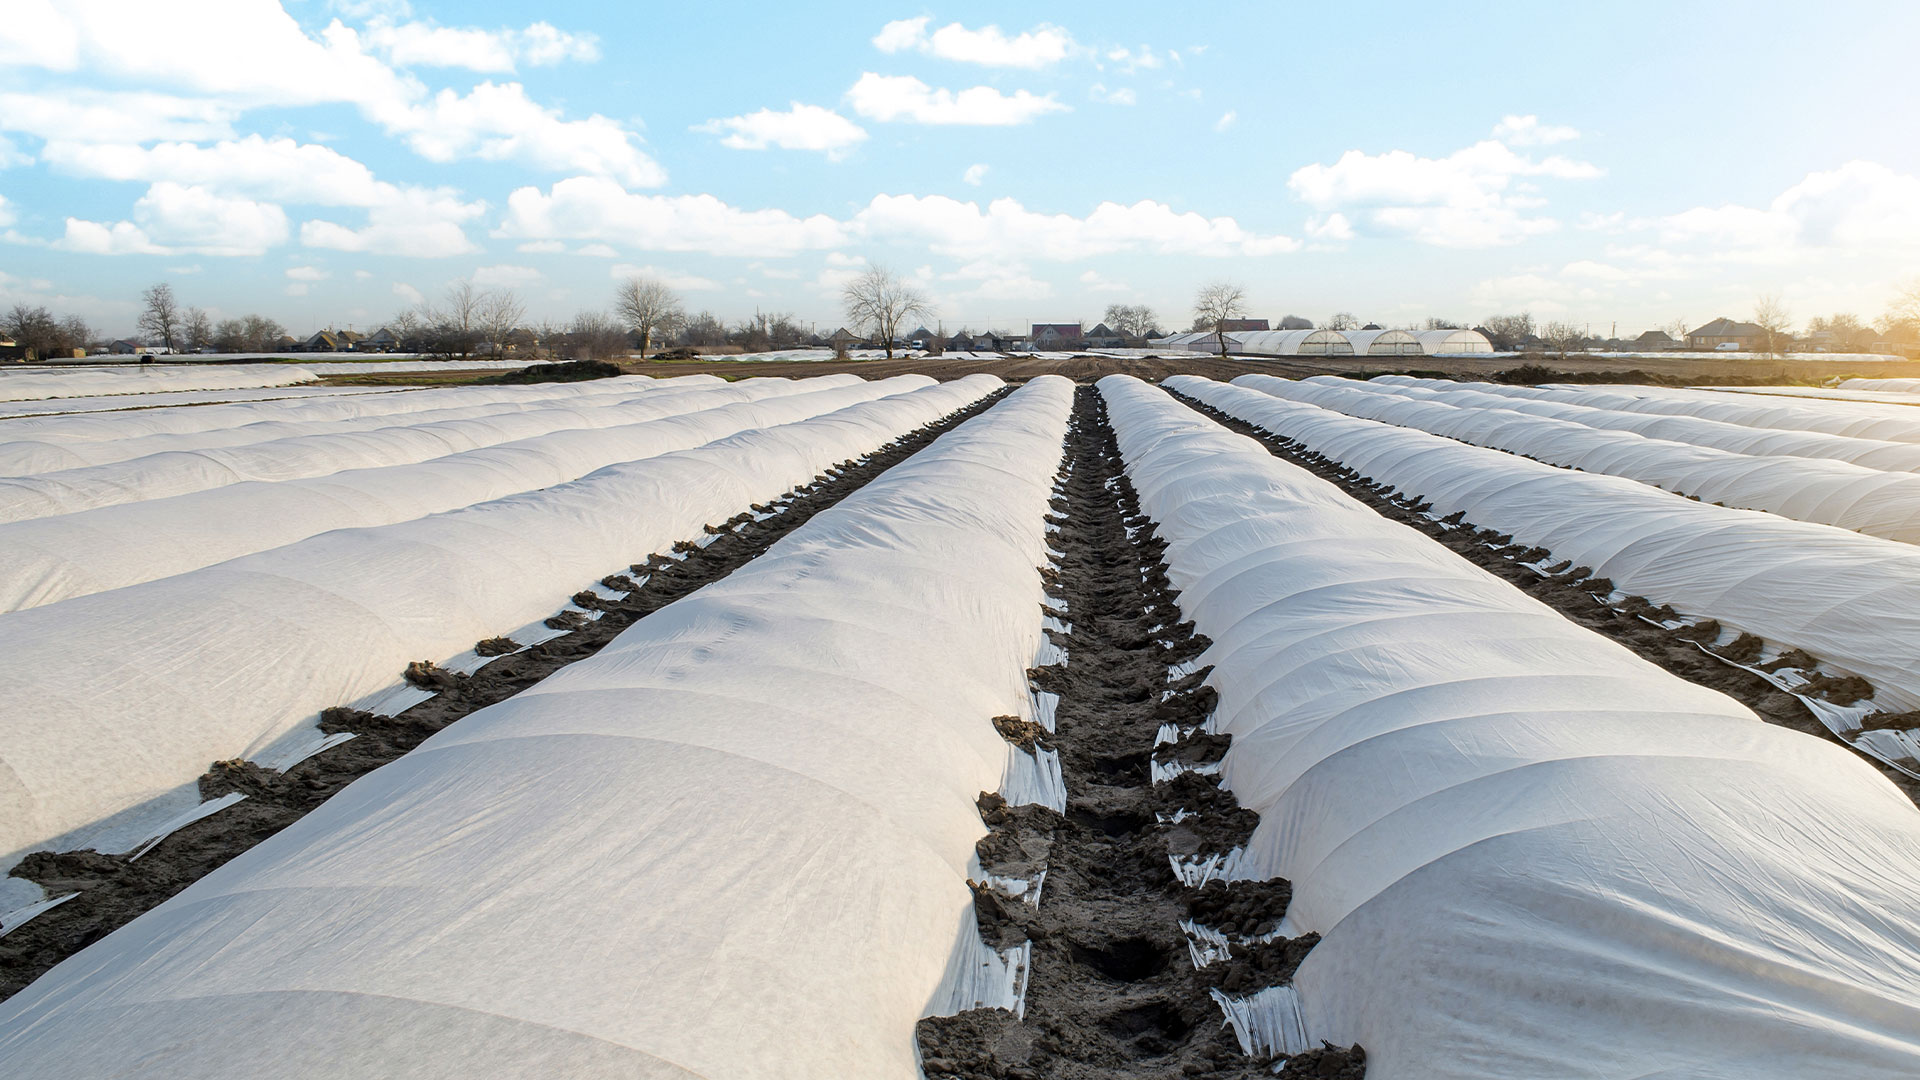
(330,162)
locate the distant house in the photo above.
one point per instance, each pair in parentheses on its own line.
(960,341)
(124,347)
(1654,341)
(382,340)
(1236,326)
(12,350)
(843,339)
(286,343)
(1105,337)
(1747,336)
(920,337)
(1056,336)
(321,341)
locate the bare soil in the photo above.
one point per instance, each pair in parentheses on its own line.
(1739,370)
(1112,991)
(1575,594)
(113,889)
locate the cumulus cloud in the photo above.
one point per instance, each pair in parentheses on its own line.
(903,97)
(279,169)
(499,122)
(1131,61)
(1117,96)
(425,223)
(975,174)
(1470,198)
(988,46)
(997,279)
(1529,131)
(425,44)
(1006,228)
(1097,283)
(597,251)
(595,208)
(7,213)
(174,217)
(115,116)
(800,127)
(408,293)
(673,279)
(503,275)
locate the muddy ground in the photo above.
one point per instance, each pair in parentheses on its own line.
(1112,992)
(1739,370)
(114,889)
(1570,592)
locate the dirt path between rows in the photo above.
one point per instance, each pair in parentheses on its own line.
(1570,593)
(114,889)
(1112,990)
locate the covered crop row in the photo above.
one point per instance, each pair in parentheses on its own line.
(38,446)
(397,441)
(118,698)
(48,559)
(1527,852)
(1886,424)
(1851,600)
(1883,504)
(40,385)
(736,842)
(109,403)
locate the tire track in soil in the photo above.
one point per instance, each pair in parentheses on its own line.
(113,889)
(1112,991)
(1571,593)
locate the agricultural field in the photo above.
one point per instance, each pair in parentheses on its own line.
(878,724)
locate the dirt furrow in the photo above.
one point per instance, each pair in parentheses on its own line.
(1572,592)
(1114,990)
(114,889)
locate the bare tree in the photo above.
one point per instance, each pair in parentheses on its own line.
(1216,303)
(596,335)
(408,327)
(196,329)
(160,314)
(1508,331)
(1343,320)
(497,316)
(262,334)
(648,307)
(1776,326)
(1132,320)
(704,329)
(1562,337)
(32,328)
(1678,330)
(1846,331)
(877,302)
(1441,324)
(75,333)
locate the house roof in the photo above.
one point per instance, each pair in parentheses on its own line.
(843,334)
(1103,330)
(1725,327)
(1653,336)
(1061,329)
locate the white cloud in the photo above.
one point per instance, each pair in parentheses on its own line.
(307,273)
(1529,131)
(903,97)
(174,217)
(503,275)
(7,213)
(1005,228)
(975,174)
(1227,120)
(1117,96)
(244,54)
(115,116)
(594,208)
(425,44)
(407,292)
(998,279)
(419,222)
(542,247)
(672,279)
(1467,199)
(498,122)
(1333,227)
(362,275)
(1094,282)
(598,251)
(988,46)
(801,127)
(1131,61)
(11,155)
(278,169)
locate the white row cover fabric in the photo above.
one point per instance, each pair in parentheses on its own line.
(115,699)
(734,843)
(1850,600)
(1886,455)
(399,441)
(112,402)
(1898,386)
(1529,852)
(62,443)
(1887,423)
(1879,397)
(39,384)
(50,559)
(1883,504)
